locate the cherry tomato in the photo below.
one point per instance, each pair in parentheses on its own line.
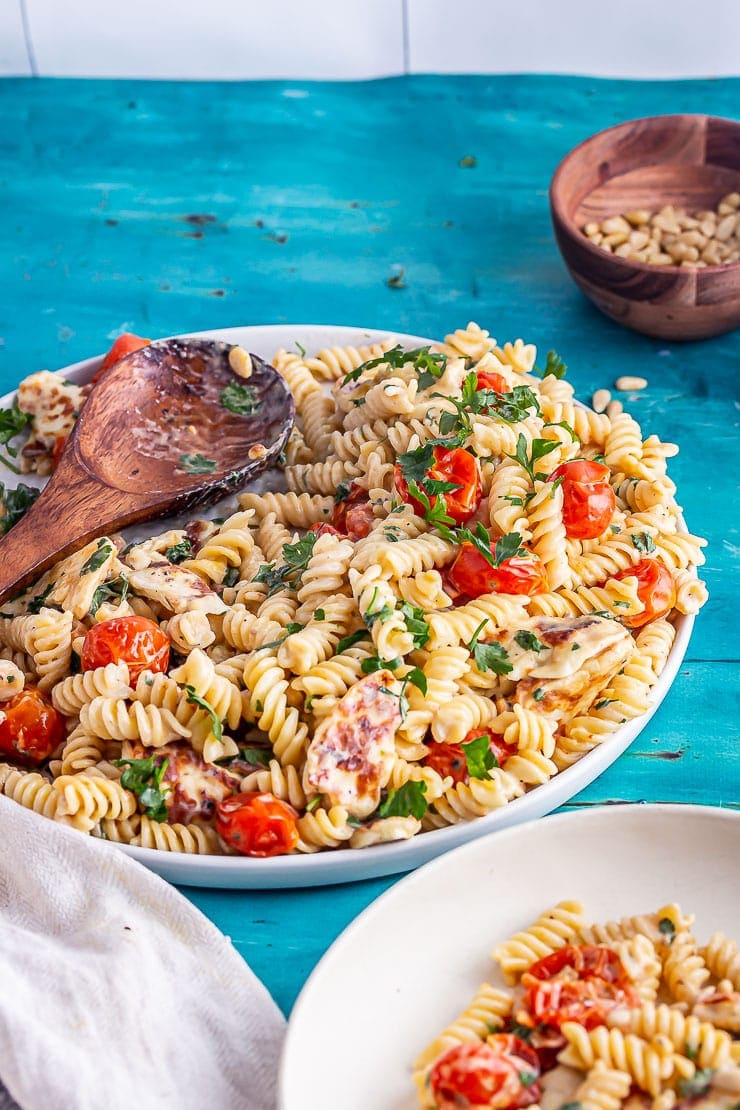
(136,641)
(482,1075)
(447,759)
(488,379)
(450,465)
(588,499)
(655,589)
(354,516)
(56,454)
(553,996)
(325,529)
(255,824)
(472,575)
(126,344)
(30,727)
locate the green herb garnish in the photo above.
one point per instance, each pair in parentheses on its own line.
(195,699)
(492,657)
(540,448)
(407,801)
(643,541)
(16,503)
(528,641)
(103,551)
(144,778)
(197,464)
(241,399)
(554,366)
(12,423)
(479,757)
(179,552)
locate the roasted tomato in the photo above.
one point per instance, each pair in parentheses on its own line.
(126,344)
(588,499)
(578,983)
(449,759)
(472,575)
(56,454)
(30,727)
(456,466)
(655,589)
(354,516)
(489,379)
(136,641)
(500,1073)
(255,824)
(325,529)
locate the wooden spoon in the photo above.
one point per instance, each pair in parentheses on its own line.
(153,438)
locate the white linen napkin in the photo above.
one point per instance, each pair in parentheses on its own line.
(115,991)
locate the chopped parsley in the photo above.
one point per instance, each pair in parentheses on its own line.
(396,280)
(116,590)
(407,801)
(563,424)
(231,576)
(342,492)
(423,360)
(571,1106)
(554,366)
(240,399)
(527,1078)
(197,464)
(538,694)
(319,615)
(103,551)
(528,641)
(415,624)
(540,448)
(296,556)
(667,928)
(300,348)
(16,503)
(257,757)
(492,657)
(144,778)
(311,806)
(698,1085)
(351,640)
(179,551)
(479,757)
(36,603)
(643,542)
(12,423)
(195,699)
(523,1032)
(474,638)
(602,704)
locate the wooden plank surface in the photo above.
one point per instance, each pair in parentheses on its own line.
(164,208)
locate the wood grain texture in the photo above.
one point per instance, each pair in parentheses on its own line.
(130,455)
(688,161)
(163,208)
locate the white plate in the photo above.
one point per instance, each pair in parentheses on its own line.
(385,859)
(413,959)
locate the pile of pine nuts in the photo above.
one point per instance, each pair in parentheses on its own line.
(671,237)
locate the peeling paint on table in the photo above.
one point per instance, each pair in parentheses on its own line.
(170,207)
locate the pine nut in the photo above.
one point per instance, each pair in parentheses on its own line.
(616,224)
(592,229)
(725,227)
(240,362)
(732,199)
(638,216)
(628,384)
(613,409)
(600,400)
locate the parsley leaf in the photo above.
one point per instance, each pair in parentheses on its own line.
(179,551)
(511,407)
(563,424)
(407,801)
(479,757)
(144,778)
(311,806)
(16,503)
(197,464)
(528,641)
(422,359)
(296,556)
(195,699)
(231,576)
(241,399)
(554,366)
(667,928)
(12,422)
(300,348)
(414,464)
(476,634)
(375,663)
(643,541)
(508,546)
(538,694)
(540,448)
(115,590)
(351,640)
(698,1085)
(257,757)
(98,557)
(527,1078)
(36,603)
(415,623)
(343,491)
(492,657)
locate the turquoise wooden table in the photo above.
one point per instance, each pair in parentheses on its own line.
(163,208)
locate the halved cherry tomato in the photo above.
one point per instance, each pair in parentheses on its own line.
(354,516)
(56,454)
(588,499)
(324,529)
(255,824)
(488,379)
(482,1075)
(472,575)
(578,983)
(30,727)
(126,344)
(450,465)
(656,589)
(136,641)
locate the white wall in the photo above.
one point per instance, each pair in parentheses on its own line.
(352,39)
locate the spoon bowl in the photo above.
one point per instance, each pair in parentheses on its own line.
(168,428)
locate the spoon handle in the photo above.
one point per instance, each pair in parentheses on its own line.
(72,509)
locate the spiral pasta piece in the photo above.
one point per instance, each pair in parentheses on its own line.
(603,1088)
(722,956)
(228,547)
(87,800)
(267,688)
(47,638)
(459,625)
(110,681)
(32,791)
(464,801)
(684,970)
(648,1064)
(193,839)
(550,932)
(486,1013)
(698,1040)
(455,718)
(323,829)
(283,782)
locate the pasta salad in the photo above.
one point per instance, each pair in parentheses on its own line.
(631,1013)
(460,582)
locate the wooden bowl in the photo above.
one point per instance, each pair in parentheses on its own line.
(687,161)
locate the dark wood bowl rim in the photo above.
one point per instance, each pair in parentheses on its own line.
(627,264)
